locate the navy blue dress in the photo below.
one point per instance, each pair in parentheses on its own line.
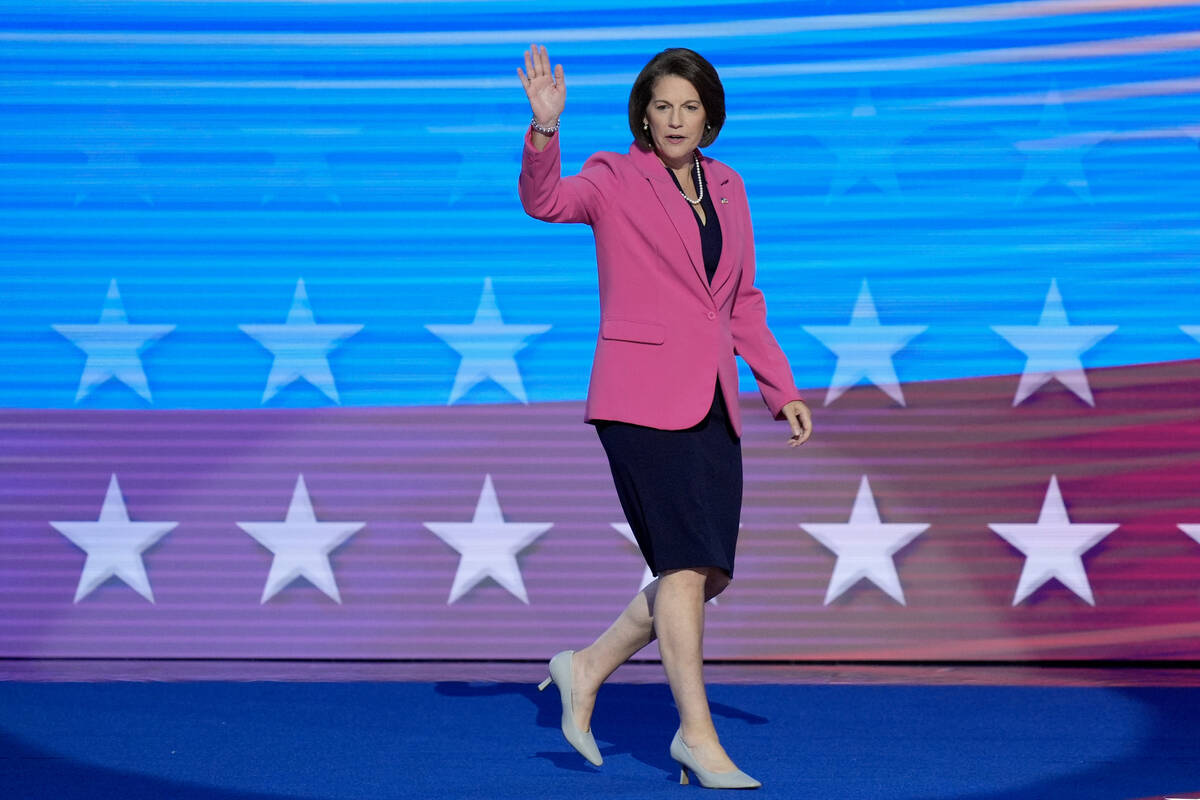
(681,491)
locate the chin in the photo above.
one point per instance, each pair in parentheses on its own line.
(672,150)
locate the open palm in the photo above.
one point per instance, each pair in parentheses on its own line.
(546,89)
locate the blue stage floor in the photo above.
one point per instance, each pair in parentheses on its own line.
(360,741)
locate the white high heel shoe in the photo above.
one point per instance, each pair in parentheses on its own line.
(709,780)
(560,676)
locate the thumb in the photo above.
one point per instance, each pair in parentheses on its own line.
(793,420)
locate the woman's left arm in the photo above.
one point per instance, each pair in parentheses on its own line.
(757,346)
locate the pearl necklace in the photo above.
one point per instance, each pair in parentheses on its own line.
(699,184)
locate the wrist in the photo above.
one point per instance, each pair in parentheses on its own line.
(544,129)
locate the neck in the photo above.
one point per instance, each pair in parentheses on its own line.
(680,165)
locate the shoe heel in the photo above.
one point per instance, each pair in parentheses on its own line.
(542,686)
(683,756)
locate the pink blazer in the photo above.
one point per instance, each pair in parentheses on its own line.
(665,334)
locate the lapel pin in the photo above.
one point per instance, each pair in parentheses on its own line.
(724,201)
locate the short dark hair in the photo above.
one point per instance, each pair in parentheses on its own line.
(692,67)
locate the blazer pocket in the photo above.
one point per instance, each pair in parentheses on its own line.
(628,330)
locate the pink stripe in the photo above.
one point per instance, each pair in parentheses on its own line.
(958,458)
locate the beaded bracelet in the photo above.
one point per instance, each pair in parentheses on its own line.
(533,123)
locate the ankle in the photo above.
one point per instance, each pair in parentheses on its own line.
(699,736)
(584,672)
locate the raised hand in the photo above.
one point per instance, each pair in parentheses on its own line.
(547,91)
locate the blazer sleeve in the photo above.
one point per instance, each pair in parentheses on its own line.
(548,196)
(753,340)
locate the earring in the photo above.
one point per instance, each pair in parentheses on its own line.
(645,127)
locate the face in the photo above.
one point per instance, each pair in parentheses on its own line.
(676,118)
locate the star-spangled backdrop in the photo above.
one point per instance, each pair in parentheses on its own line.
(285,371)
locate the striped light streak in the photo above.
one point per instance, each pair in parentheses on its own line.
(701,30)
(1110,48)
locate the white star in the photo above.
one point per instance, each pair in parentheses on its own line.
(1056,154)
(1053,547)
(114,545)
(113,347)
(864,546)
(864,349)
(116,171)
(1192,331)
(626,530)
(863,144)
(301,171)
(488,545)
(300,347)
(488,348)
(301,545)
(1192,531)
(113,165)
(485,165)
(1052,349)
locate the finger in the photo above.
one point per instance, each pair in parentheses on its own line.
(558,77)
(800,421)
(529,63)
(793,421)
(521,75)
(544,61)
(796,441)
(805,418)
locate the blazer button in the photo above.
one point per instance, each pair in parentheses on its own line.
(712,315)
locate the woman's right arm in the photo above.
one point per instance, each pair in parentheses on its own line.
(547,93)
(545,194)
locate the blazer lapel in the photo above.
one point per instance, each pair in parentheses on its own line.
(726,215)
(683,219)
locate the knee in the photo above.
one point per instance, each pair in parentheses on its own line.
(716,583)
(708,581)
(688,580)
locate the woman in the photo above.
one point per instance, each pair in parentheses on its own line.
(675,256)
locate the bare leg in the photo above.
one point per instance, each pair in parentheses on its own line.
(629,633)
(679,622)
